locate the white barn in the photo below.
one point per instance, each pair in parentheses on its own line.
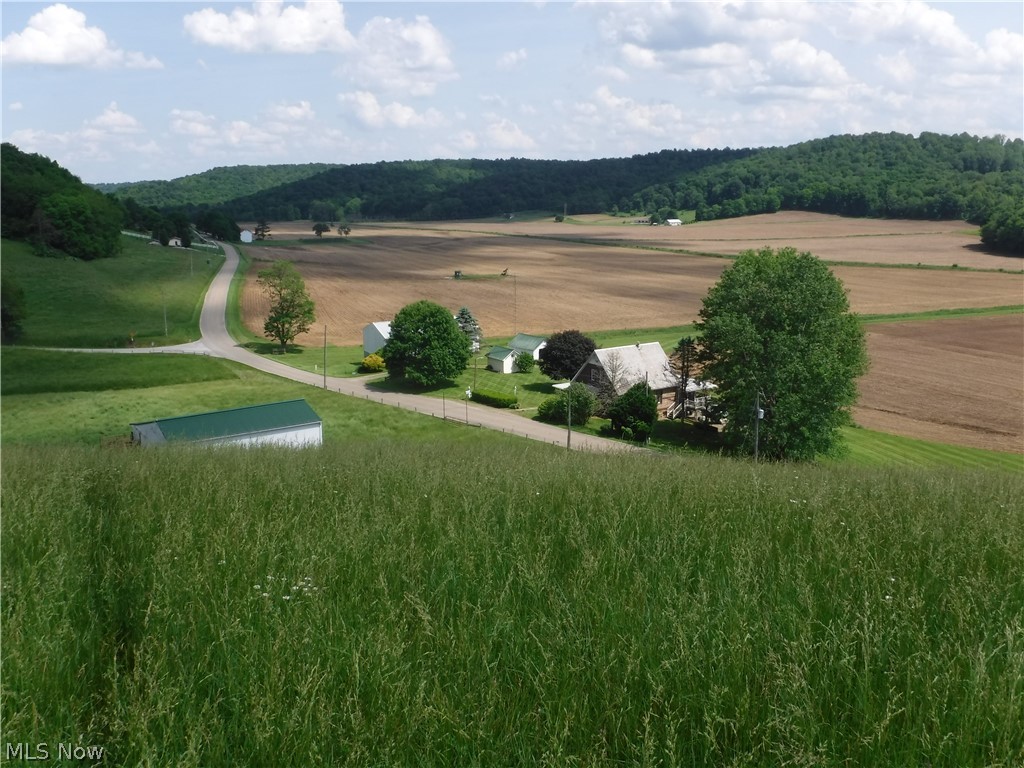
(375,336)
(292,422)
(246,236)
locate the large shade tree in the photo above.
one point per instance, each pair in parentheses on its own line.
(426,345)
(291,310)
(565,353)
(777,332)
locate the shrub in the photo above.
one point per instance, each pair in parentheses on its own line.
(525,362)
(373,363)
(554,409)
(633,415)
(495,399)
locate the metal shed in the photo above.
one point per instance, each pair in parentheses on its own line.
(292,422)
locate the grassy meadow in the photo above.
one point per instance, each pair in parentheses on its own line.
(387,602)
(101,303)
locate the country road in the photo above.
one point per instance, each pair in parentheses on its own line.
(217,342)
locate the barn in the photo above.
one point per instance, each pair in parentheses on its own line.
(245,236)
(292,422)
(375,336)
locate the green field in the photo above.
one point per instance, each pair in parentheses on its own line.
(396,602)
(93,398)
(101,303)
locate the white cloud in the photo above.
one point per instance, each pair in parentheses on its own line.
(661,119)
(300,111)
(511,59)
(898,69)
(15,106)
(271,26)
(505,135)
(400,56)
(112,122)
(192,123)
(903,21)
(58,36)
(373,113)
(796,62)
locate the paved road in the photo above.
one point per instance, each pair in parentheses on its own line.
(216,341)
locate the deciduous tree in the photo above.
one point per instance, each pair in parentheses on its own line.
(565,353)
(426,345)
(291,310)
(320,227)
(776,329)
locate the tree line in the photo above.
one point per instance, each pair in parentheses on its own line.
(890,175)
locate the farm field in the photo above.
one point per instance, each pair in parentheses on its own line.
(559,284)
(957,380)
(881,241)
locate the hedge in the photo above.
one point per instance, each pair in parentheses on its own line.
(495,399)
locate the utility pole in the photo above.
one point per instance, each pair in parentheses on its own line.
(758,415)
(325,356)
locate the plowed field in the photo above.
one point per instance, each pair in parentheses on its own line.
(555,283)
(956,380)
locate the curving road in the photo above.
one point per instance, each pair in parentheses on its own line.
(216,341)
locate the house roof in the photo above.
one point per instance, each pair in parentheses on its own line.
(636,363)
(237,421)
(525,341)
(500,353)
(383,327)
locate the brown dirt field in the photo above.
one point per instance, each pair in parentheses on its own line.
(833,238)
(956,380)
(559,284)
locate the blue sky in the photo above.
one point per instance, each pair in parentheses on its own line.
(124,91)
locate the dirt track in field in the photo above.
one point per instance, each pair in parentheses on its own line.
(956,380)
(555,284)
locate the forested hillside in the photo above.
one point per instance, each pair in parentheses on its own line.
(215,186)
(980,180)
(52,208)
(452,189)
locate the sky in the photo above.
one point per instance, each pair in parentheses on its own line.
(127,91)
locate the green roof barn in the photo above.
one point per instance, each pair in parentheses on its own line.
(292,422)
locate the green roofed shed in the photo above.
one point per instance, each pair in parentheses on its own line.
(292,422)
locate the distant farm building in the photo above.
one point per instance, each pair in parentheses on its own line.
(503,359)
(674,222)
(246,236)
(523,342)
(622,367)
(293,423)
(375,336)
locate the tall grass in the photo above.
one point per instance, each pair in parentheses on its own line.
(382,603)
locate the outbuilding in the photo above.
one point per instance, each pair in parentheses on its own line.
(502,360)
(292,422)
(246,236)
(524,342)
(375,336)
